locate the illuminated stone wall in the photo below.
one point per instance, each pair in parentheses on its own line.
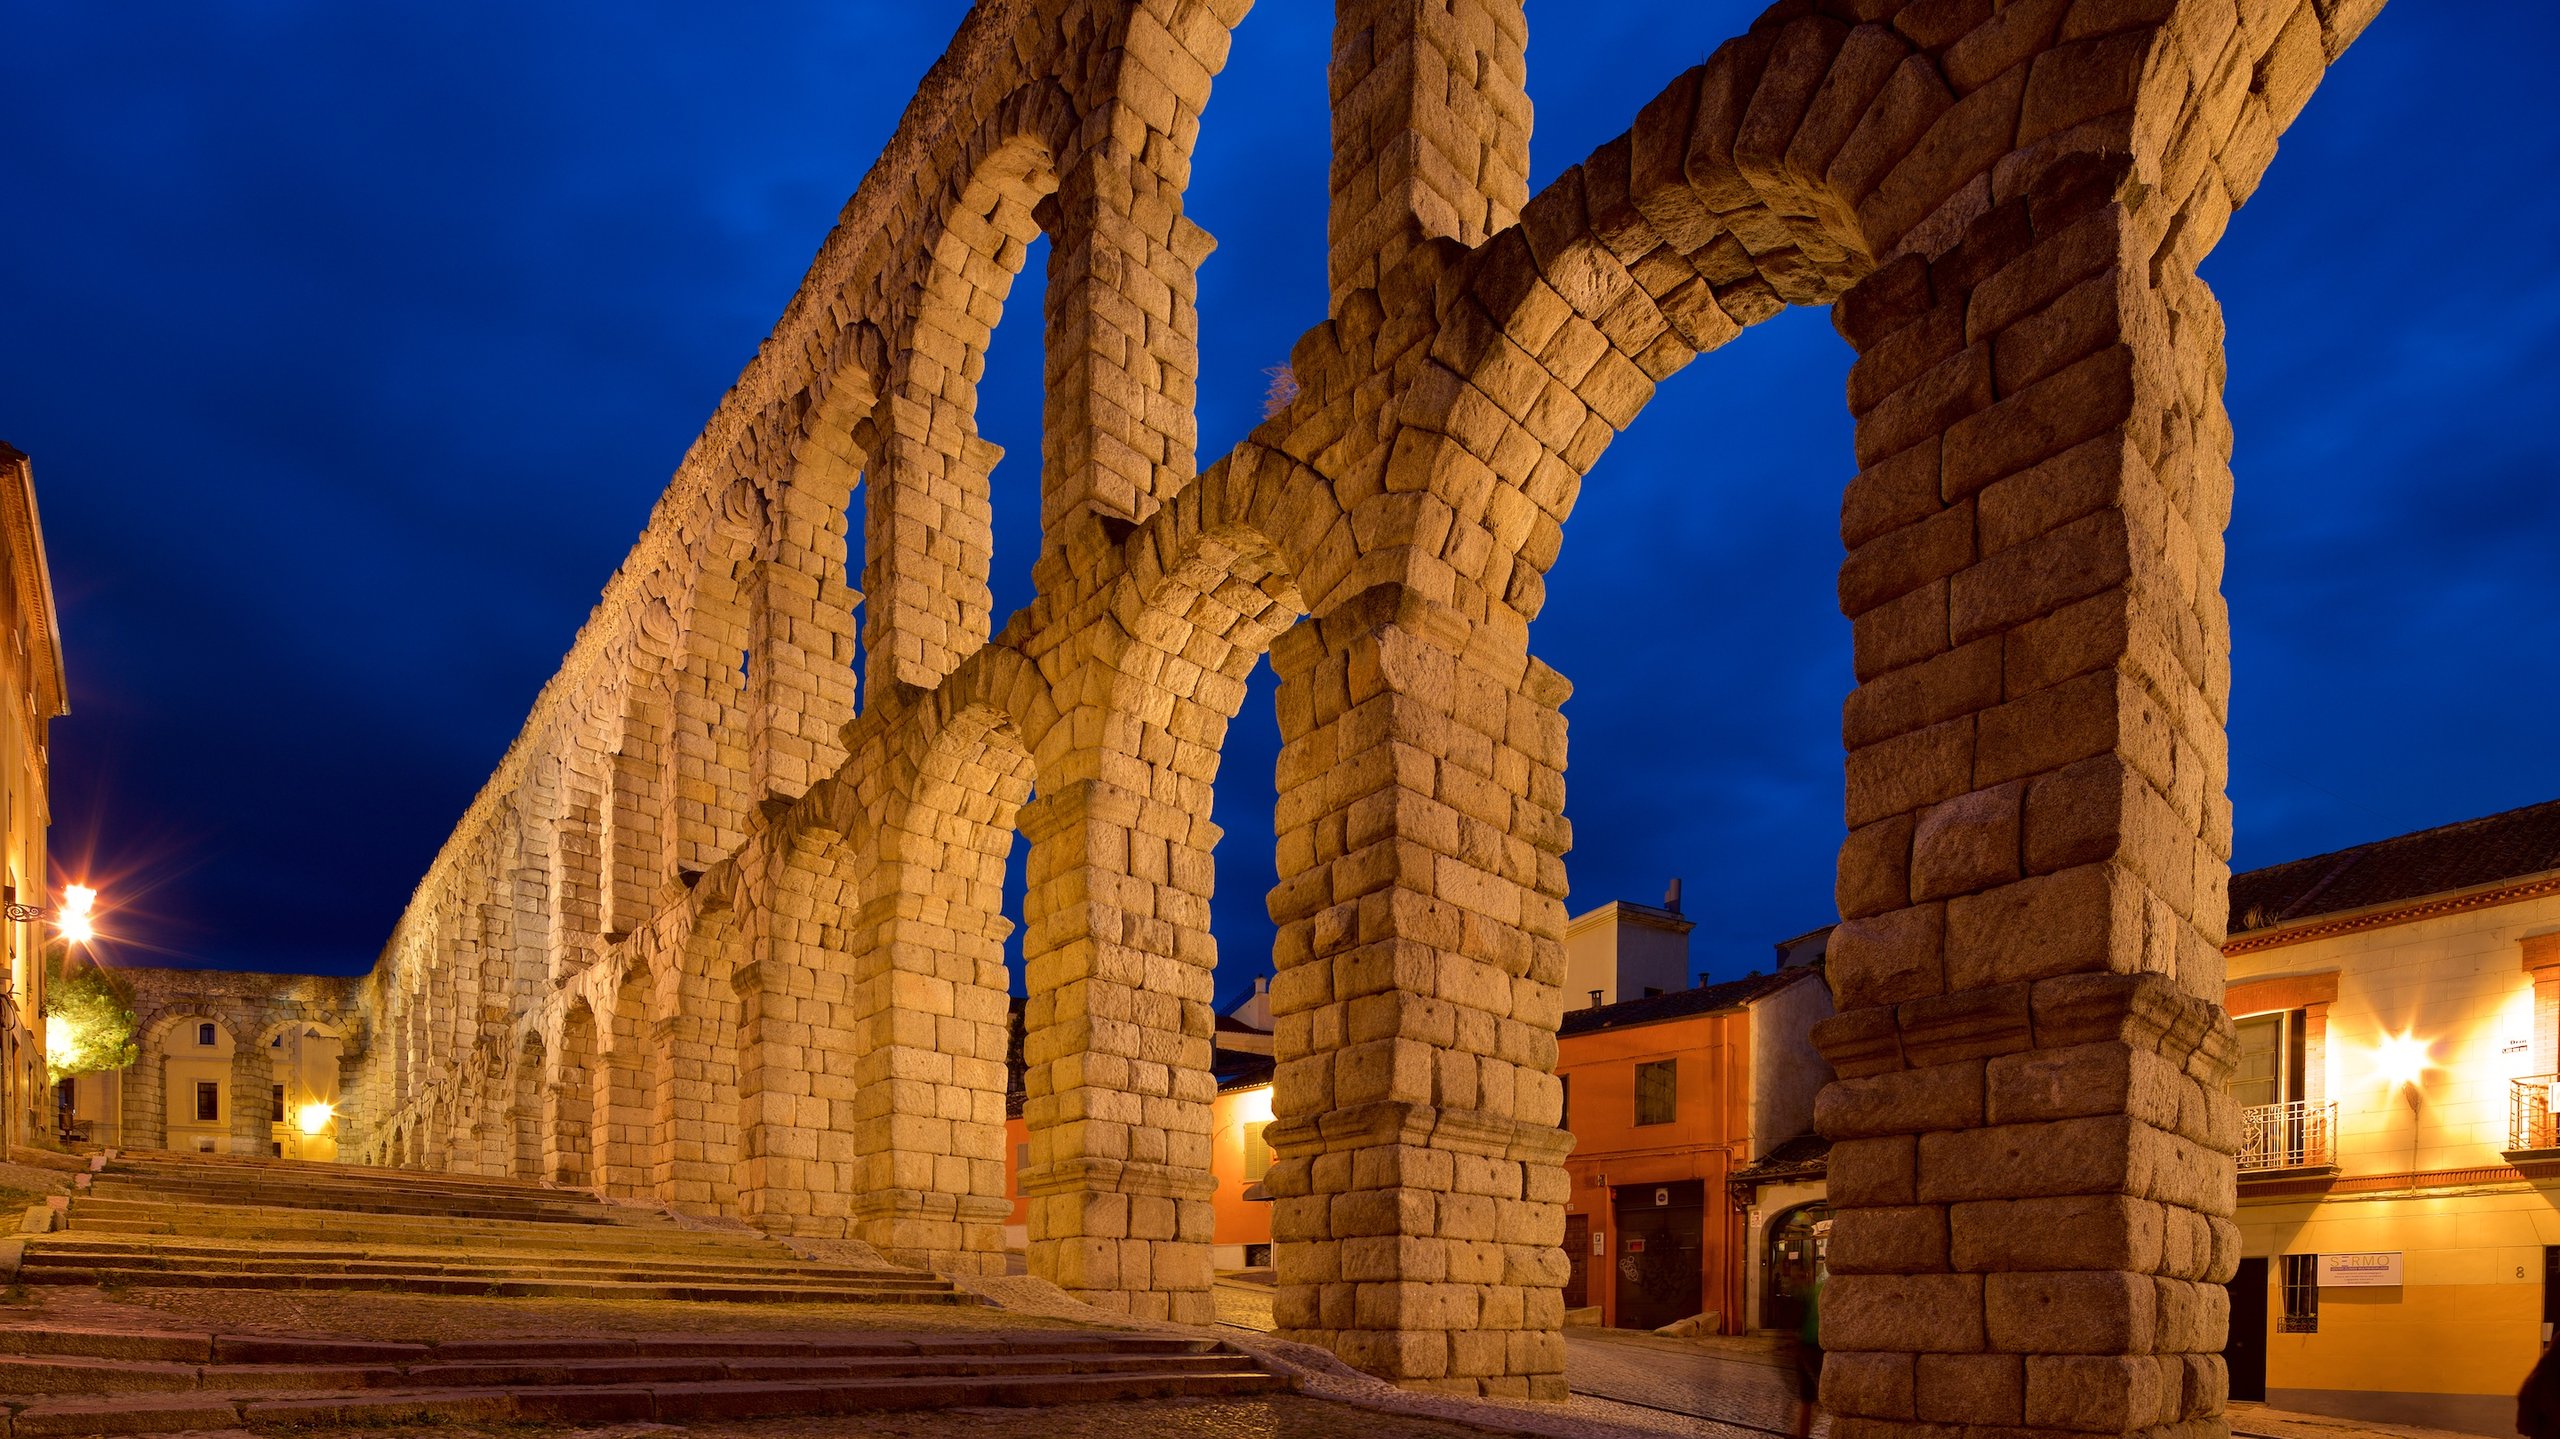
(717,934)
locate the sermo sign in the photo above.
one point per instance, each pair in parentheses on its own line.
(2359,1271)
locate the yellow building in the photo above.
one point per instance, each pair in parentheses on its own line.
(31,672)
(2398,1007)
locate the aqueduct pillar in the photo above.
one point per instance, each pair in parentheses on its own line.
(2004,203)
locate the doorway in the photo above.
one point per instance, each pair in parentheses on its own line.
(2244,1352)
(1661,1233)
(1577,1260)
(1791,1262)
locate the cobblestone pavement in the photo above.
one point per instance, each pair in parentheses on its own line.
(2265,1423)
(415,1317)
(1276,1417)
(1244,1306)
(1713,1388)
(1729,1384)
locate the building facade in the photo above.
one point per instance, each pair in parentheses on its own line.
(1670,1098)
(1695,1174)
(226,1063)
(2398,1012)
(31,673)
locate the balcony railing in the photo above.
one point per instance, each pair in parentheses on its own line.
(2300,1135)
(2529,1124)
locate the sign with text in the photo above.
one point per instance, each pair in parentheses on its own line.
(2358,1271)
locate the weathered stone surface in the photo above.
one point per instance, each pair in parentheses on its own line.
(717,936)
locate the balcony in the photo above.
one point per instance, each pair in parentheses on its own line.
(2289,1139)
(2530,1130)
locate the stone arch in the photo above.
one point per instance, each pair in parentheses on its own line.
(928,528)
(803,619)
(640,847)
(1121,959)
(718,706)
(570,1159)
(526,1109)
(316,1075)
(627,1093)
(698,1035)
(152,1114)
(927,990)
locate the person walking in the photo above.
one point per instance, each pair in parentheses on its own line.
(2538,1402)
(1807,1349)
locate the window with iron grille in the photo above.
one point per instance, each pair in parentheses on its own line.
(2301,1295)
(1658,1091)
(208,1099)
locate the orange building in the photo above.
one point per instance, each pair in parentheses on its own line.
(1670,1099)
(1696,1176)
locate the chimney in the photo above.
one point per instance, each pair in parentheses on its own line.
(1671,896)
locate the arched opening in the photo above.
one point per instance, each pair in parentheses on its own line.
(304,1056)
(630,1093)
(525,1113)
(1794,1246)
(573,1098)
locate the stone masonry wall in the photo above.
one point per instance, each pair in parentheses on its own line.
(725,932)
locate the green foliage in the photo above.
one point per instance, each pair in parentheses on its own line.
(97,1010)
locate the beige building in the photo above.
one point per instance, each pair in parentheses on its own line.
(2398,1008)
(31,666)
(1621,950)
(227,1064)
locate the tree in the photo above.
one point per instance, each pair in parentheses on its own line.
(88,1013)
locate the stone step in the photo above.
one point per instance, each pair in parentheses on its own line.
(482,1286)
(181,1164)
(63,1375)
(60,1250)
(618,1404)
(194,1348)
(300,1229)
(357,1200)
(397,1181)
(670,1244)
(78,1382)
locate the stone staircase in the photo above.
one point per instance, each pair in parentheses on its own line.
(220,1222)
(56,1381)
(223,1222)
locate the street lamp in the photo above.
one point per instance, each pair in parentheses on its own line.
(71,921)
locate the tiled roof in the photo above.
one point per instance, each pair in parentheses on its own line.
(2432,861)
(1242,1071)
(1804,1156)
(1680,1003)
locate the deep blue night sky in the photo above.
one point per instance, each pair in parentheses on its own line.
(352,344)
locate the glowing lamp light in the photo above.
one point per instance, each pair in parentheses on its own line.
(2402,1059)
(313,1117)
(73,921)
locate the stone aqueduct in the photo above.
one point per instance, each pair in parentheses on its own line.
(717,935)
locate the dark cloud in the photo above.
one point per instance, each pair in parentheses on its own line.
(353,344)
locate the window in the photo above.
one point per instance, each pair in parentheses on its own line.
(1658,1091)
(278,1101)
(208,1100)
(1021,1164)
(204,1146)
(1564,1101)
(2301,1295)
(204,1034)
(1257,1155)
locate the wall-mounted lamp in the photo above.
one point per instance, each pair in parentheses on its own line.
(313,1117)
(71,921)
(2401,1059)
